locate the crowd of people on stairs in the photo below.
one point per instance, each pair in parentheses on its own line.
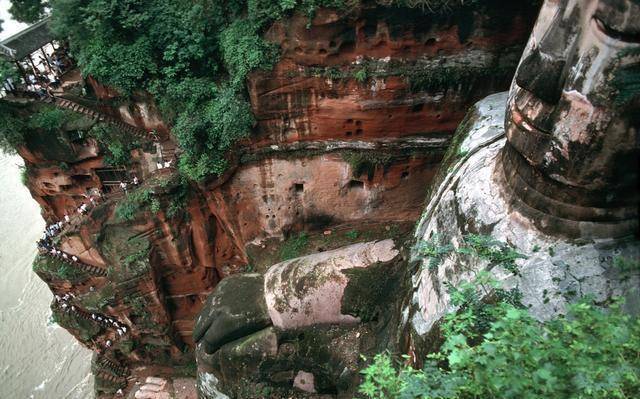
(65,303)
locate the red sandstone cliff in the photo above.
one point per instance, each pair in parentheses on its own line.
(352,124)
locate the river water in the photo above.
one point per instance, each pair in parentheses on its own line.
(37,359)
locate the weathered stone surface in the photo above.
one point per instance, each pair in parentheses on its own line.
(235,309)
(208,386)
(304,381)
(159,382)
(471,199)
(309,290)
(312,92)
(185,388)
(571,124)
(242,358)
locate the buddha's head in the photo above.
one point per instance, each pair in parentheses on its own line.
(573,118)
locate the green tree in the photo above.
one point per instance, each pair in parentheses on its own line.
(28,11)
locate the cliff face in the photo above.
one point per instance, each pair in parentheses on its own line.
(384,72)
(352,124)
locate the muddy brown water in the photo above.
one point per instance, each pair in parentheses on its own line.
(37,359)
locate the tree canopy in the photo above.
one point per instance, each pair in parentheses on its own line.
(28,11)
(193,57)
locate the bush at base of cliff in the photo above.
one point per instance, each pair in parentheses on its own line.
(589,353)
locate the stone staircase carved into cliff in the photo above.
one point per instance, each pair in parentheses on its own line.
(66,103)
(168,151)
(112,366)
(114,379)
(89,269)
(85,110)
(99,319)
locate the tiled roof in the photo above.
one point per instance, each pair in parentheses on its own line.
(26,41)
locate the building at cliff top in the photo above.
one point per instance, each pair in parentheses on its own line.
(26,42)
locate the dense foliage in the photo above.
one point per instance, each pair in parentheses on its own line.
(136,201)
(17,121)
(28,11)
(497,350)
(193,57)
(479,246)
(116,146)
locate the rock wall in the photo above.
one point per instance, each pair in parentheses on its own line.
(385,71)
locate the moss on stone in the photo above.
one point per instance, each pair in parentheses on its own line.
(453,153)
(369,291)
(97,300)
(422,75)
(83,329)
(367,161)
(51,268)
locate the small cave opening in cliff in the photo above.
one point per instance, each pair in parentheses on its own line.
(298,188)
(318,221)
(355,185)
(430,42)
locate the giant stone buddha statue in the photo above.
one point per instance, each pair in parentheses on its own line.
(549,168)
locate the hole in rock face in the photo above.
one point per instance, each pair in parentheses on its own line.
(430,42)
(370,28)
(358,123)
(322,51)
(349,120)
(359,132)
(298,187)
(349,134)
(404,175)
(356,184)
(417,107)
